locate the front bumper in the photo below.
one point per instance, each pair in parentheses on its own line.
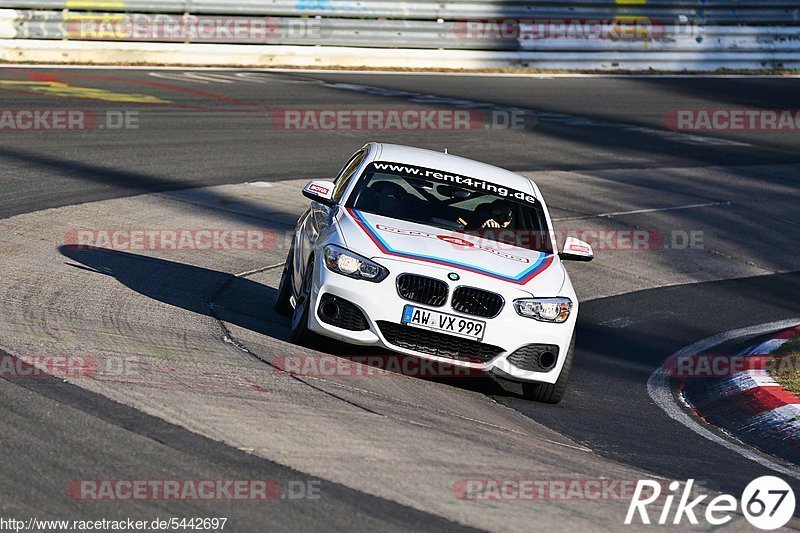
(380,302)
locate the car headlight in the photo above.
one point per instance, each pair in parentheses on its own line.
(544,309)
(352,265)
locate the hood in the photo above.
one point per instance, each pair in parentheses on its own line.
(377,236)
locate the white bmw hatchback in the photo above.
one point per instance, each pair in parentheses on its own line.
(440,257)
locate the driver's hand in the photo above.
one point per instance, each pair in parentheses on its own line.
(491,223)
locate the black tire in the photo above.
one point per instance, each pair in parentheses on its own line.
(300,332)
(282,304)
(547,393)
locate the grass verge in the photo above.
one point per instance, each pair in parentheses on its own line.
(785,369)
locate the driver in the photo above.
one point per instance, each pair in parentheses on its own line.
(500,214)
(387,198)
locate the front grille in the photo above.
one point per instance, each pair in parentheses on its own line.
(341,313)
(433,343)
(472,301)
(529,357)
(421,289)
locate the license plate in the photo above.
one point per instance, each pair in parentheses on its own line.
(446,323)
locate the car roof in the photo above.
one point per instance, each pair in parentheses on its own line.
(397,153)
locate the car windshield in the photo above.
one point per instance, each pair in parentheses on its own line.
(464,204)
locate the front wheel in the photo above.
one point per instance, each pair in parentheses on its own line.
(300,332)
(551,393)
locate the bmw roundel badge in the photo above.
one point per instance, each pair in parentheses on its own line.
(453,276)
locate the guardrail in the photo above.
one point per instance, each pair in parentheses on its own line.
(699,11)
(632,35)
(765,33)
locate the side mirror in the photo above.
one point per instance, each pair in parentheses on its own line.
(576,250)
(320,191)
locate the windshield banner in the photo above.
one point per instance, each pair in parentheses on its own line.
(466,182)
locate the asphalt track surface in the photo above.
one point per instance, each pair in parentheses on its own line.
(214,131)
(221,132)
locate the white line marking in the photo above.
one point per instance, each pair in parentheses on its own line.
(257,270)
(625,321)
(659,389)
(540,116)
(639,211)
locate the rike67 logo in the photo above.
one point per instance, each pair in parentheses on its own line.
(767,503)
